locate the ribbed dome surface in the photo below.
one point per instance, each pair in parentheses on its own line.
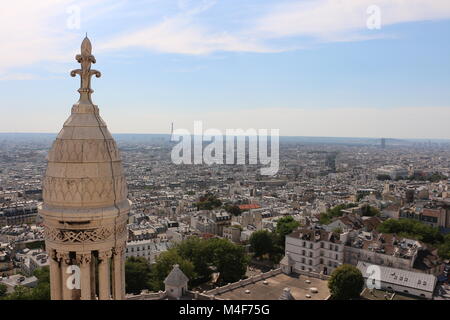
(84,165)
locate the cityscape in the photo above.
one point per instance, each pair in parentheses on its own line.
(336,203)
(318,167)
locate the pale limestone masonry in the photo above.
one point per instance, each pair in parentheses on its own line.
(85,207)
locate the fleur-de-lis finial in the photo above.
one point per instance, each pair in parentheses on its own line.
(85,59)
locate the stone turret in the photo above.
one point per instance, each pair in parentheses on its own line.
(85,206)
(176,283)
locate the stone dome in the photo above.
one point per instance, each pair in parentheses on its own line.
(84,165)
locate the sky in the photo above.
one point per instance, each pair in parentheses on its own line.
(341,68)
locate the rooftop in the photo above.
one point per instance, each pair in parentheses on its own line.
(275,286)
(416,280)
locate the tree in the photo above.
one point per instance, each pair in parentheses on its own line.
(42,290)
(164,264)
(444,248)
(383,177)
(336,211)
(285,226)
(208,202)
(229,259)
(198,259)
(337,230)
(262,242)
(412,229)
(3,289)
(346,282)
(137,274)
(20,293)
(196,250)
(233,209)
(369,211)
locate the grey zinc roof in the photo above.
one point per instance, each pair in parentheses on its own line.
(176,277)
(416,280)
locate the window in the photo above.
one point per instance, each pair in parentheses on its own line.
(321,244)
(310,254)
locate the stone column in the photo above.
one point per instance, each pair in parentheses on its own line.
(119,270)
(123,272)
(65,263)
(84,260)
(104,283)
(93,278)
(55,276)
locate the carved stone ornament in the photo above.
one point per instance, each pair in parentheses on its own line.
(119,250)
(85,59)
(84,258)
(103,255)
(77,236)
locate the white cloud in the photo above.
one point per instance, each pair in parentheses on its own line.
(322,20)
(182,34)
(33,32)
(29,32)
(325,19)
(17,76)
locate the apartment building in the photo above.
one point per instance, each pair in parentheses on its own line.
(315,250)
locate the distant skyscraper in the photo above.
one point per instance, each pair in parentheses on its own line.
(383,143)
